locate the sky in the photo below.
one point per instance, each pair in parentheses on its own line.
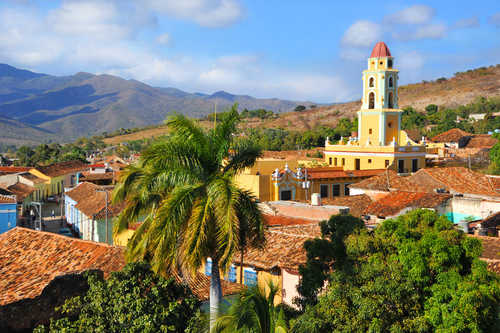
(310,50)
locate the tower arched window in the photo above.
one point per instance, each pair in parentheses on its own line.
(390,103)
(371,100)
(390,82)
(371,82)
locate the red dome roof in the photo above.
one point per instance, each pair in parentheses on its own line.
(380,50)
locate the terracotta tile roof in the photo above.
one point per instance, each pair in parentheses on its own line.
(30,259)
(62,168)
(481,141)
(491,247)
(329,173)
(92,202)
(11,169)
(414,134)
(380,50)
(387,180)
(87,176)
(453,135)
(495,181)
(32,177)
(6,199)
(82,191)
(491,221)
(356,203)
(395,202)
(20,190)
(280,220)
(284,247)
(455,179)
(200,285)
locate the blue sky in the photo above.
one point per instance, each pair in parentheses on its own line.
(301,50)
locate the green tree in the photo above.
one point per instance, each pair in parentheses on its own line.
(253,311)
(299,108)
(431,109)
(495,156)
(132,300)
(184,187)
(416,273)
(25,156)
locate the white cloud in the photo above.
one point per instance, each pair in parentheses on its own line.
(207,13)
(427,31)
(417,14)
(470,22)
(163,39)
(495,19)
(411,63)
(362,34)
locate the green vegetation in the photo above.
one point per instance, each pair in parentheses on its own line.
(444,119)
(299,108)
(46,154)
(184,188)
(253,311)
(415,273)
(494,167)
(132,300)
(282,139)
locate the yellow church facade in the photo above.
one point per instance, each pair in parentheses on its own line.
(380,142)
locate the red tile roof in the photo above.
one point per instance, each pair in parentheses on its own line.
(284,247)
(200,285)
(380,50)
(331,173)
(30,259)
(356,203)
(483,141)
(395,202)
(7,199)
(453,135)
(11,169)
(20,190)
(455,179)
(62,168)
(280,220)
(92,202)
(387,180)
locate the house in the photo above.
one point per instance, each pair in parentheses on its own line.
(57,176)
(85,211)
(380,142)
(39,271)
(99,174)
(23,194)
(398,203)
(8,212)
(453,138)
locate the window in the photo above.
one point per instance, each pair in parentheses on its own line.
(389,124)
(390,82)
(335,190)
(343,161)
(357,164)
(330,161)
(249,277)
(346,189)
(208,267)
(389,63)
(323,189)
(371,82)
(371,100)
(370,131)
(386,164)
(335,161)
(414,165)
(369,160)
(401,166)
(231,276)
(390,103)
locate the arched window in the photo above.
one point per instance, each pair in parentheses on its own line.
(389,63)
(390,82)
(371,100)
(390,103)
(371,82)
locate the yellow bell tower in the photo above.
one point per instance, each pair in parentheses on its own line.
(380,143)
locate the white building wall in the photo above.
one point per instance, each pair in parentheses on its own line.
(290,283)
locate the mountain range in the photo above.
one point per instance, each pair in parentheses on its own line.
(38,107)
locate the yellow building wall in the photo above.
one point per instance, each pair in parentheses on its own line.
(370,121)
(267,166)
(259,185)
(391,132)
(123,238)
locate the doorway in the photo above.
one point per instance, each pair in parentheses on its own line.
(357,163)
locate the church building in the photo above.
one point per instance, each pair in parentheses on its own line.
(380,143)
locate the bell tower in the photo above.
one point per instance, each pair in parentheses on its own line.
(379,117)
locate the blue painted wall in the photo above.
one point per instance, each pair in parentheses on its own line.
(8,217)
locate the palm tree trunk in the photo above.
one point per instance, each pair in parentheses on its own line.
(215,292)
(241,266)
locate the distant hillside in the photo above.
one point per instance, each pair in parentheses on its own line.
(461,89)
(84,104)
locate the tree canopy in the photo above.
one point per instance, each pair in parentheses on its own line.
(415,273)
(132,300)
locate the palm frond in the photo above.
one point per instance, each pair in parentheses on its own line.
(244,154)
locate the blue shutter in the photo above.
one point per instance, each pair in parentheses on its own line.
(250,277)
(232,274)
(208,267)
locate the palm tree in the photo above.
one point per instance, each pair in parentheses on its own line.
(253,312)
(183,186)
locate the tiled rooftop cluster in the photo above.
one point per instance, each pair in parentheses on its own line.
(396,201)
(92,202)
(452,135)
(61,168)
